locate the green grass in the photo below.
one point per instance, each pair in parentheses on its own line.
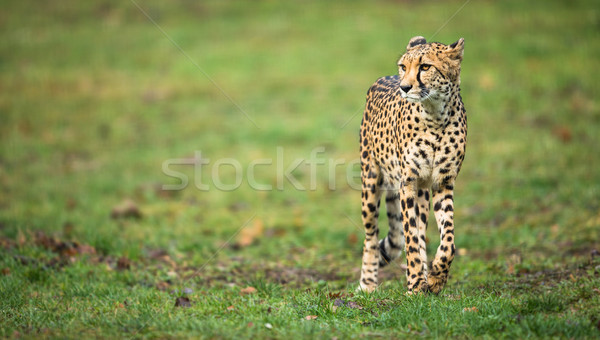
(94,98)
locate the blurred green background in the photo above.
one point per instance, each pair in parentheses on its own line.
(96,96)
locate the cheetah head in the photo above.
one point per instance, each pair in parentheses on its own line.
(429,71)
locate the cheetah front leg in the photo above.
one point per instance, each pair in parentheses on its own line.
(416,273)
(371,197)
(443,207)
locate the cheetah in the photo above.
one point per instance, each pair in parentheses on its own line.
(412,145)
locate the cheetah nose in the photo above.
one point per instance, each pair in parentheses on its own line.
(406,88)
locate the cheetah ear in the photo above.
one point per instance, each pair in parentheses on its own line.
(414,41)
(455,50)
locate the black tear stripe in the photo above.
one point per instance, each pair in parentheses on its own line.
(440,72)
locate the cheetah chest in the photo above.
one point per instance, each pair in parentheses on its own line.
(430,155)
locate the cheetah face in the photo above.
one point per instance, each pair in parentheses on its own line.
(428,71)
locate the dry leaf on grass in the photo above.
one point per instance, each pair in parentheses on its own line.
(21,239)
(310,317)
(354,305)
(248,290)
(334,295)
(126,209)
(123,263)
(339,303)
(512,261)
(183,301)
(63,248)
(563,133)
(249,234)
(162,285)
(471,309)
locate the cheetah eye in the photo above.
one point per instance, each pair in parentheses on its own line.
(425,67)
(402,67)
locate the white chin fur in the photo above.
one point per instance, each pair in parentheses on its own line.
(412,99)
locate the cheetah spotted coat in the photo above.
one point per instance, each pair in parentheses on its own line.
(412,144)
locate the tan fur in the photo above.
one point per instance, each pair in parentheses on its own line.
(412,144)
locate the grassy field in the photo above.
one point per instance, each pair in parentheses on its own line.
(104,103)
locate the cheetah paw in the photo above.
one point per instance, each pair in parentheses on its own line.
(366,288)
(436,283)
(423,289)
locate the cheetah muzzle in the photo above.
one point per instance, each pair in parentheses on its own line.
(412,145)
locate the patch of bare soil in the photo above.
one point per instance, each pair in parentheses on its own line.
(231,271)
(552,277)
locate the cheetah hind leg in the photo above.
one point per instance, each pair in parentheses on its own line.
(371,198)
(390,248)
